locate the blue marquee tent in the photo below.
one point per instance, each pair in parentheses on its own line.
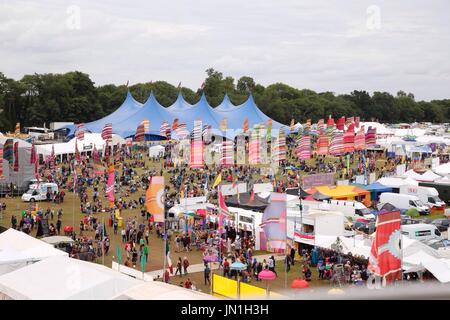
(131,113)
(126,109)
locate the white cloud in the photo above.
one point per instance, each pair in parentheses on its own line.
(321,45)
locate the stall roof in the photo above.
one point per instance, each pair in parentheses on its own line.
(378,187)
(244,202)
(83,280)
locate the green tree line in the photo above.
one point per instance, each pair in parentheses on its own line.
(39,99)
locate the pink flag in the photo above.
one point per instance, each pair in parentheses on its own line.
(110,185)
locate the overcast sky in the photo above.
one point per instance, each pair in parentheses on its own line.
(321,45)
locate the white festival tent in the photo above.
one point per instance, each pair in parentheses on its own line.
(429,176)
(443,169)
(18,249)
(90,139)
(156,290)
(63,278)
(412,174)
(397,182)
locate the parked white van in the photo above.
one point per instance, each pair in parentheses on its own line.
(38,192)
(403,202)
(421,231)
(350,208)
(427,195)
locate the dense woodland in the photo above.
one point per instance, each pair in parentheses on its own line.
(43,98)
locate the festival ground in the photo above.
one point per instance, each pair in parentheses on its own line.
(72,216)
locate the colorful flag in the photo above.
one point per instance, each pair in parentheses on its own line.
(322,145)
(1,162)
(371,138)
(79,132)
(118,254)
(16,157)
(385,255)
(110,185)
(140,133)
(245,126)
(254,147)
(274,222)
(175,124)
(181,131)
(196,154)
(224,213)
(154,198)
(77,153)
(337,144)
(321,126)
(304,147)
(269,130)
(217,181)
(8,153)
(107,132)
(146,124)
(52,159)
(143,261)
(360,139)
(207,134)
(330,121)
(223,124)
(107,152)
(169,261)
(340,123)
(163,129)
(227,158)
(349,139)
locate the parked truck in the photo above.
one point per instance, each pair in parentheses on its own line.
(427,195)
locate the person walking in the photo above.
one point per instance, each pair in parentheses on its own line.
(185,265)
(292,254)
(179,270)
(58,226)
(207,273)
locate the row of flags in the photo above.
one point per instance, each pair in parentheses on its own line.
(336,143)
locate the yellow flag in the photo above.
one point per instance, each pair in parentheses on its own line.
(218,180)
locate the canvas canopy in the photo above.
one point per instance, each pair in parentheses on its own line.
(63,278)
(18,249)
(443,169)
(155,290)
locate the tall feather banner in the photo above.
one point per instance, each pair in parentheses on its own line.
(8,154)
(107,132)
(371,138)
(304,147)
(16,156)
(196,155)
(322,145)
(337,144)
(360,140)
(140,133)
(349,139)
(245,126)
(79,133)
